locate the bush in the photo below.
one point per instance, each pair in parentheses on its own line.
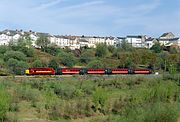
(67,59)
(54,64)
(4,103)
(99,98)
(64,91)
(161,113)
(157,48)
(29,94)
(53,50)
(71,109)
(95,64)
(111,48)
(37,63)
(3,49)
(101,50)
(17,67)
(29,52)
(14,54)
(87,56)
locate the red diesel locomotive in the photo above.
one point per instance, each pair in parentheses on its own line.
(82,71)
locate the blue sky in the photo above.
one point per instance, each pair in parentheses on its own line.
(92,17)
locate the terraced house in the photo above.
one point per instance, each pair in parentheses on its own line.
(76,42)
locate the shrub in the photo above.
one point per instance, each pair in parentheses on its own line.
(87,56)
(37,63)
(3,49)
(160,112)
(4,103)
(99,98)
(29,52)
(14,54)
(17,67)
(21,67)
(12,117)
(67,59)
(54,64)
(53,50)
(157,48)
(71,109)
(29,94)
(101,50)
(64,91)
(111,48)
(95,64)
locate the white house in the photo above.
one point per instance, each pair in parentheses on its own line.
(166,38)
(136,41)
(110,40)
(150,42)
(5,39)
(168,35)
(16,37)
(119,40)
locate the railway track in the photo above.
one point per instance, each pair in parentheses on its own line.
(80,76)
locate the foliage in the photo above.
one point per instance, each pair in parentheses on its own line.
(14,54)
(173,50)
(161,113)
(101,50)
(125,46)
(99,98)
(53,50)
(67,59)
(37,63)
(87,56)
(29,52)
(43,42)
(95,64)
(4,103)
(53,64)
(126,99)
(24,41)
(111,48)
(157,48)
(20,68)
(17,67)
(3,49)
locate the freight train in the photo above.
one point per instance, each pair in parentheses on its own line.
(83,71)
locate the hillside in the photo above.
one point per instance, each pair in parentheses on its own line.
(90,99)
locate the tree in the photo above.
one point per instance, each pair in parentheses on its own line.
(157,48)
(37,63)
(67,59)
(125,46)
(111,48)
(53,50)
(29,52)
(17,67)
(54,64)
(87,56)
(20,68)
(95,64)
(12,64)
(24,41)
(43,42)
(101,50)
(3,49)
(15,55)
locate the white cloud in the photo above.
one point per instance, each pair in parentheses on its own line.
(48,4)
(88,17)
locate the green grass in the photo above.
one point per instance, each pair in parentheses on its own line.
(92,99)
